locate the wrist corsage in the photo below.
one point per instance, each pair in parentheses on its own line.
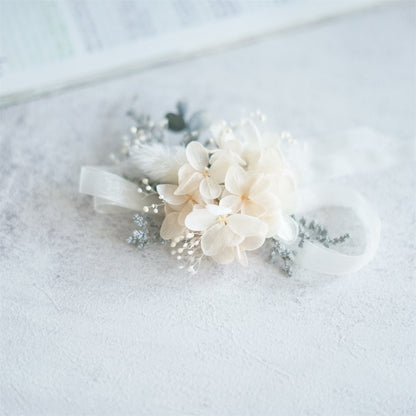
(219,190)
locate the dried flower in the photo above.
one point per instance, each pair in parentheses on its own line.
(234,196)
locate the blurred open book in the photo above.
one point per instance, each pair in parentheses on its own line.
(49,45)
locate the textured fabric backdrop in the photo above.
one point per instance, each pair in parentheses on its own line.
(90,325)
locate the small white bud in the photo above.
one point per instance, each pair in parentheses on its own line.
(145,181)
(146,208)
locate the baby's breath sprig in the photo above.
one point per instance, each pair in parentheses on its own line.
(187,250)
(147,228)
(148,189)
(145,129)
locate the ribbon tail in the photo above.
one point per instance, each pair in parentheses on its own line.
(359,150)
(111,192)
(316,257)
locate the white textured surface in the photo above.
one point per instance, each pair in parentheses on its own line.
(91,326)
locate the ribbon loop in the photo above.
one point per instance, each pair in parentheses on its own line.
(316,257)
(111,192)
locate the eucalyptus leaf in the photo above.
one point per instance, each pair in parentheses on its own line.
(175,122)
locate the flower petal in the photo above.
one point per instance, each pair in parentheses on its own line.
(189,184)
(220,164)
(286,185)
(217,238)
(224,135)
(241,256)
(268,201)
(272,222)
(212,241)
(225,256)
(171,228)
(271,161)
(260,184)
(170,208)
(236,181)
(167,192)
(197,156)
(209,188)
(228,157)
(288,229)
(216,129)
(218,210)
(184,172)
(200,219)
(251,133)
(184,212)
(251,208)
(246,225)
(252,243)
(231,202)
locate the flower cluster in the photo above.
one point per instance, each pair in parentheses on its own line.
(230,196)
(218,199)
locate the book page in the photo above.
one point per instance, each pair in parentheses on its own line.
(48,45)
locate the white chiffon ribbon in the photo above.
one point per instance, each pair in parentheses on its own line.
(360,150)
(316,257)
(111,192)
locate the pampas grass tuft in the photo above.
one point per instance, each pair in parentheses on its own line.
(158,162)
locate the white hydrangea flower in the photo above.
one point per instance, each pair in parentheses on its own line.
(199,173)
(177,207)
(248,192)
(223,231)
